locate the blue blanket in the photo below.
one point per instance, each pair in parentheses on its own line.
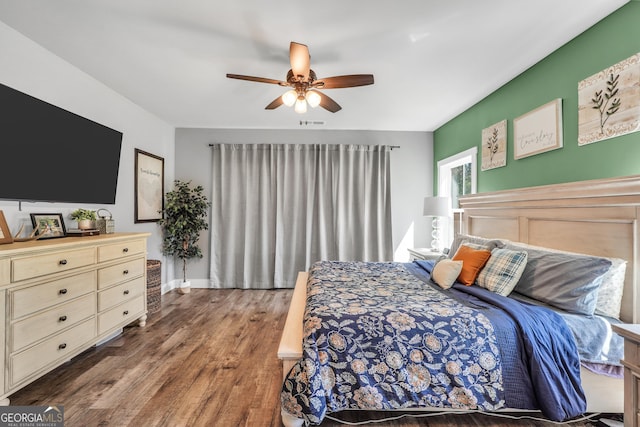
(547,349)
(383,336)
(600,349)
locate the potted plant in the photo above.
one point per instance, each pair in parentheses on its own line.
(86,218)
(183,218)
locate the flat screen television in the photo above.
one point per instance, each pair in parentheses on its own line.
(50,154)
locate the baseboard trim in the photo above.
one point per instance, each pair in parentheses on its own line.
(195,283)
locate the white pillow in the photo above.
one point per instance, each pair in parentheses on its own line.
(610,292)
(445,272)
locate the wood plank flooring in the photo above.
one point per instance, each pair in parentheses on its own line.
(207,358)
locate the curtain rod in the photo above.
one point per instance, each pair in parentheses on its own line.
(391,146)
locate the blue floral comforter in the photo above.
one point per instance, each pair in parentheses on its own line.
(381,336)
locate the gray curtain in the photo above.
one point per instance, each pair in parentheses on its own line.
(277,208)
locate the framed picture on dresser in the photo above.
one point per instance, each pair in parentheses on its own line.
(49,225)
(5,234)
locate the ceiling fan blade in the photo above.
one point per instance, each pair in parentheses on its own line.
(257,79)
(344,81)
(328,103)
(300,60)
(274,104)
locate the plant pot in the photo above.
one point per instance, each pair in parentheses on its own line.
(185,287)
(86,224)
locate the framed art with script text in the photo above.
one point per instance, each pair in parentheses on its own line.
(538,131)
(149,187)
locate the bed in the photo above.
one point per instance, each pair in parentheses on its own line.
(595,219)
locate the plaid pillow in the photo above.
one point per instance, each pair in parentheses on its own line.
(502,271)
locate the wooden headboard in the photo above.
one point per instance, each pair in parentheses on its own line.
(596,217)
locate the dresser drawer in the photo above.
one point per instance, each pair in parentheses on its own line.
(5,271)
(119,250)
(57,348)
(117,273)
(120,293)
(54,262)
(122,314)
(35,298)
(49,322)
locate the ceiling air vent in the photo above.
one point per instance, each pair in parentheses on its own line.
(311,122)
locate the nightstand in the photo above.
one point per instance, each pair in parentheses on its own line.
(423,253)
(631,362)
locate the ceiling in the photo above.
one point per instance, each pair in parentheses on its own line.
(431,60)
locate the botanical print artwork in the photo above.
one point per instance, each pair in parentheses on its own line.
(609,102)
(494,146)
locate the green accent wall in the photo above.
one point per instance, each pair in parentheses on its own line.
(611,40)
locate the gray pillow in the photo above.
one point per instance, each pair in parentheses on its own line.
(490,244)
(567,281)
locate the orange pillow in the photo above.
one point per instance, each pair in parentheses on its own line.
(472,262)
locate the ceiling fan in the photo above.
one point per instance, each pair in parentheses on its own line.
(304,84)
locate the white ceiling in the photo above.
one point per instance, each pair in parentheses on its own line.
(431,60)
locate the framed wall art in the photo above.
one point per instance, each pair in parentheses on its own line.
(538,131)
(149,187)
(609,102)
(5,234)
(494,146)
(48,225)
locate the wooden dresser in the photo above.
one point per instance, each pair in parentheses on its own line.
(61,296)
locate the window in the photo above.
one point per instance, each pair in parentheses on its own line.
(457,176)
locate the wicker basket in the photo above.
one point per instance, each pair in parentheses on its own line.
(154,298)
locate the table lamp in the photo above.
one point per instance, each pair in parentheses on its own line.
(436,207)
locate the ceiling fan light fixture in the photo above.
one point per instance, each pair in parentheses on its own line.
(313,98)
(301,105)
(289,98)
(304,84)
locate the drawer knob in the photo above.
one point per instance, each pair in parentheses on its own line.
(62,346)
(62,318)
(125,272)
(125,250)
(126,292)
(126,312)
(62,291)
(63,262)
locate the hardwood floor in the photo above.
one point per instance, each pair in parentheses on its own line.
(207,358)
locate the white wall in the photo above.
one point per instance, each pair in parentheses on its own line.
(411,174)
(29,68)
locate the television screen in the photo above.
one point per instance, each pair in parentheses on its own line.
(50,154)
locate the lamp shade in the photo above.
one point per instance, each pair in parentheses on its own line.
(437,206)
(313,98)
(289,97)
(301,105)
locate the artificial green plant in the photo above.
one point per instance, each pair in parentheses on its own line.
(183,218)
